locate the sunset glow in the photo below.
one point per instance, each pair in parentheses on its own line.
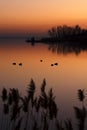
(40,15)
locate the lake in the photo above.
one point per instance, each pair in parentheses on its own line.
(65,78)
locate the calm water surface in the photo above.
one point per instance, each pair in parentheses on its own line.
(65,79)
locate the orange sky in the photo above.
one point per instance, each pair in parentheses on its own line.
(40,15)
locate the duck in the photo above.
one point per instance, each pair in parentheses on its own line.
(20,64)
(56,63)
(41,60)
(52,64)
(14,63)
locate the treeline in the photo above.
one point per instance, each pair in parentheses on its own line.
(64,31)
(31,112)
(63,34)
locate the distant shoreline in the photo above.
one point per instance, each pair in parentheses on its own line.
(62,34)
(78,39)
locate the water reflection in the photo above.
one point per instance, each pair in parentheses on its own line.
(65,78)
(66,48)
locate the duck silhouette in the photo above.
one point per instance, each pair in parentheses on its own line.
(20,64)
(56,63)
(52,64)
(14,63)
(41,60)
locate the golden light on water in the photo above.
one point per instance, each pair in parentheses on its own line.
(65,79)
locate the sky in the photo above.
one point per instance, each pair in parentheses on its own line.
(28,16)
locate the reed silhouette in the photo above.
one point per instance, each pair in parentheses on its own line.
(81,113)
(31,112)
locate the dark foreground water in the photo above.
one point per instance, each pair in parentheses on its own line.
(65,78)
